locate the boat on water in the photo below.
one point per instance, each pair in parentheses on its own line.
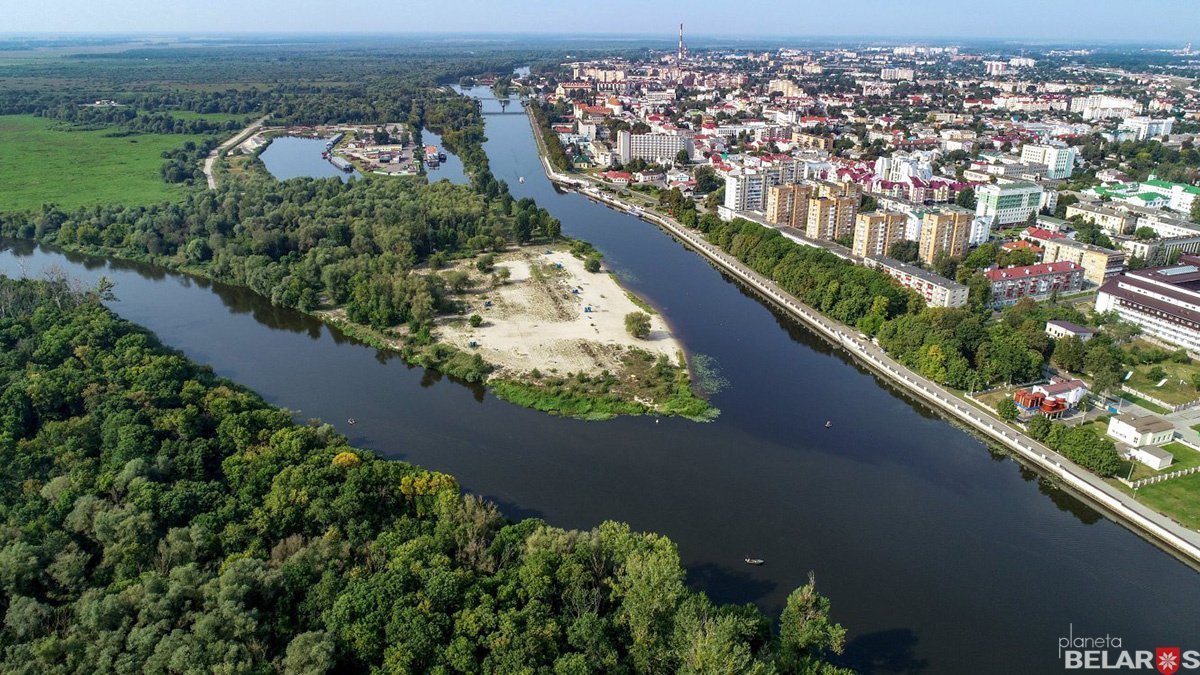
(754,561)
(828,424)
(351,421)
(521,179)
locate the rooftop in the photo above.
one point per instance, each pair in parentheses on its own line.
(1146,424)
(1003,273)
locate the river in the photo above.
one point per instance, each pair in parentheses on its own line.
(939,556)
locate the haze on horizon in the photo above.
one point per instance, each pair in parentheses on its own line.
(1158,21)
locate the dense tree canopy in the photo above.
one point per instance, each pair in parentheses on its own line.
(156,518)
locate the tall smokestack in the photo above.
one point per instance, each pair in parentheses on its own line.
(679,58)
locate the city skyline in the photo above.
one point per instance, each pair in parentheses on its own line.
(1158,21)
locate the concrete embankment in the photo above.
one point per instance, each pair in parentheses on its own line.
(1163,531)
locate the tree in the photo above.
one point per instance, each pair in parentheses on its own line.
(904,251)
(1039,427)
(1007,410)
(1195,212)
(592,263)
(638,324)
(966,198)
(476,321)
(1069,353)
(683,158)
(806,632)
(1145,233)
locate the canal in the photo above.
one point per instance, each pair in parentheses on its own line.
(939,555)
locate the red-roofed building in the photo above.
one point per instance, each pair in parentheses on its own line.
(617,177)
(1010,284)
(1021,245)
(1041,234)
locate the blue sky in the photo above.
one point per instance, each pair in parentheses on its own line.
(1057,20)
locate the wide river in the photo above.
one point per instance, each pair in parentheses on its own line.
(939,555)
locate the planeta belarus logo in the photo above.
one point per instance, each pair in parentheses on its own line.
(1166,660)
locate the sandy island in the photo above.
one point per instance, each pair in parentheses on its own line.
(539,320)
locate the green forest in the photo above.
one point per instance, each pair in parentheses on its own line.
(159,519)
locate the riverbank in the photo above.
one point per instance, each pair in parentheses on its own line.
(1155,527)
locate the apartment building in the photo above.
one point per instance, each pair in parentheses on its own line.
(874,233)
(788,204)
(1099,264)
(1008,203)
(945,230)
(1111,220)
(1059,160)
(937,291)
(1010,284)
(831,210)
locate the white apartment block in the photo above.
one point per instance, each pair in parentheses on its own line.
(1143,128)
(1008,203)
(1058,160)
(1101,106)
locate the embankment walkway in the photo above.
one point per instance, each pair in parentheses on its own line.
(1156,527)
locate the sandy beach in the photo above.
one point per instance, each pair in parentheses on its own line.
(554,316)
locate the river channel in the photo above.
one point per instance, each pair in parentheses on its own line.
(939,555)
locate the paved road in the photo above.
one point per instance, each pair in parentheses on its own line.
(1146,521)
(224,147)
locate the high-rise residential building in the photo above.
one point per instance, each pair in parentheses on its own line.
(788,204)
(897,74)
(874,233)
(1009,202)
(1059,160)
(744,190)
(830,218)
(831,210)
(945,230)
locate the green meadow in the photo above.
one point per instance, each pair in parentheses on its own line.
(44,160)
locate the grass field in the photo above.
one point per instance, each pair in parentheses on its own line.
(42,160)
(1179,498)
(1177,390)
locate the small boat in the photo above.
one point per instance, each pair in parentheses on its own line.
(521,179)
(754,561)
(828,424)
(351,421)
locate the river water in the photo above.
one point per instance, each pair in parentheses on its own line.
(939,556)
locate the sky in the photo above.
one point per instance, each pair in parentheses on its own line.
(1163,21)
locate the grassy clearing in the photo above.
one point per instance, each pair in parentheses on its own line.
(45,161)
(1178,498)
(1185,458)
(1177,390)
(647,386)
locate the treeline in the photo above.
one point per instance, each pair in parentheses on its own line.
(964,348)
(554,149)
(960,347)
(1141,158)
(304,243)
(160,519)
